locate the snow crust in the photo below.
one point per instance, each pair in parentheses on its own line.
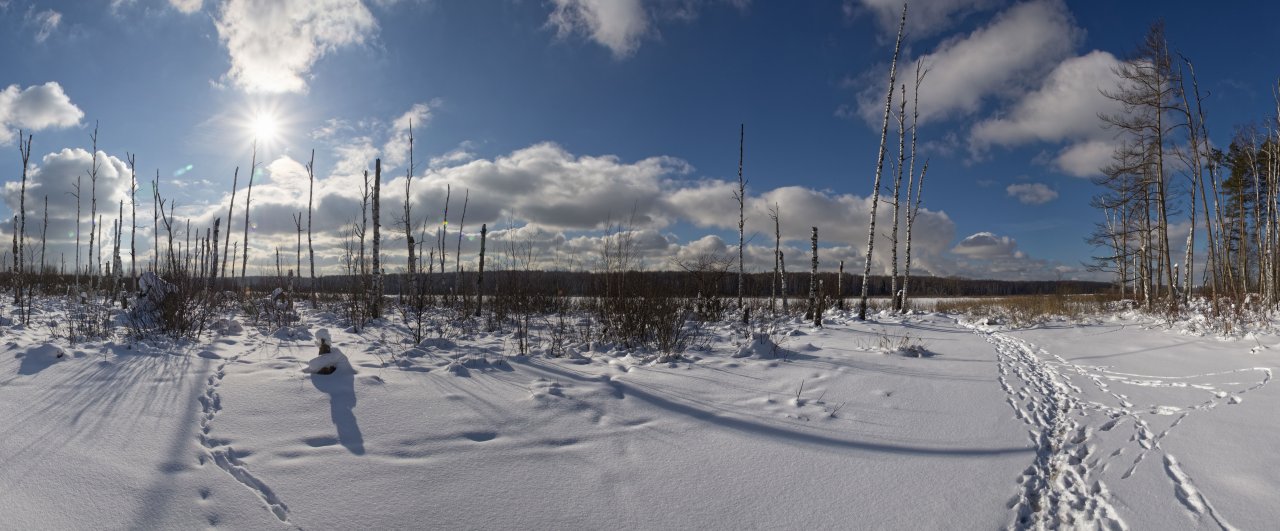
(1115,422)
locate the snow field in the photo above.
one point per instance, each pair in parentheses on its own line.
(1111,425)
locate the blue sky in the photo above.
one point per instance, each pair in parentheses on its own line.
(563,115)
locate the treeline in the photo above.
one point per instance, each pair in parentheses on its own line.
(688,284)
(1166,171)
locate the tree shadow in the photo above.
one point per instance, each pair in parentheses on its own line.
(340,386)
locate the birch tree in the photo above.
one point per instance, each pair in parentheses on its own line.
(875,190)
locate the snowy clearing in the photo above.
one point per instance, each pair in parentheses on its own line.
(1115,424)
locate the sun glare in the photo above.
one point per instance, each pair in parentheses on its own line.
(265,127)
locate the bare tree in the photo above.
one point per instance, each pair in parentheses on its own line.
(297,223)
(44,230)
(76,194)
(133,230)
(815,310)
(484,232)
(875,191)
(24,150)
(231,210)
(93,202)
(741,196)
(777,257)
(457,255)
(913,205)
(248,194)
(311,252)
(895,299)
(412,262)
(1147,92)
(911,222)
(20,228)
(376,300)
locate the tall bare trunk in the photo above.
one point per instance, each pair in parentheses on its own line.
(377,239)
(875,191)
(741,196)
(248,194)
(231,210)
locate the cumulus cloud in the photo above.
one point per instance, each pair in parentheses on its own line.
(1085,159)
(1021,43)
(988,255)
(1032,193)
(620,25)
(985,245)
(1064,107)
(923,18)
(273,45)
(54,177)
(35,108)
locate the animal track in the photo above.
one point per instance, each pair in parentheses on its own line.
(1058,490)
(224,455)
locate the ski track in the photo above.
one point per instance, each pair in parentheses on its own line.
(1061,490)
(223,454)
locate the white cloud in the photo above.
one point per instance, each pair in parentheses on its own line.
(274,44)
(620,25)
(988,255)
(1085,159)
(1032,193)
(923,18)
(54,176)
(45,22)
(985,245)
(1021,43)
(396,150)
(1065,107)
(35,108)
(187,6)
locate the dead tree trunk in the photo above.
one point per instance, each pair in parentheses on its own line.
(814,312)
(457,254)
(311,252)
(93,204)
(44,231)
(484,231)
(248,195)
(231,210)
(840,287)
(741,196)
(133,225)
(875,191)
(896,302)
(911,221)
(777,258)
(213,253)
(376,295)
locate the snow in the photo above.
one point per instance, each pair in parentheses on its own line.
(1115,422)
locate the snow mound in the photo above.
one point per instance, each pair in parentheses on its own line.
(322,337)
(209,355)
(326,363)
(228,327)
(761,346)
(47,352)
(438,343)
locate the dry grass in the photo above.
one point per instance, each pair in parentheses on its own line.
(1023,310)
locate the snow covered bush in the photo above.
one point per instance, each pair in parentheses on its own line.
(180,308)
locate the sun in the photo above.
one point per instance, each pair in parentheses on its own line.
(265,127)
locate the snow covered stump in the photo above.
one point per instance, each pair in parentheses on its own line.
(327,360)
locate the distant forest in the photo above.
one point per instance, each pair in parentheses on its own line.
(685,283)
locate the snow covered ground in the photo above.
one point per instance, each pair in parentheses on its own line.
(1119,423)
